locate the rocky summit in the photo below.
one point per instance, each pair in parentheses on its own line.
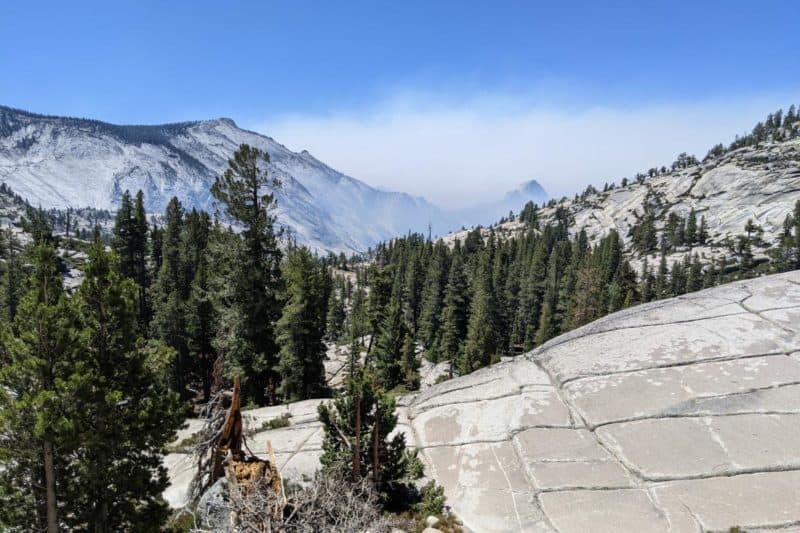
(679,415)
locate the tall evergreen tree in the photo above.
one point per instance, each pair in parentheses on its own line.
(13,281)
(139,244)
(454,314)
(302,326)
(126,414)
(248,342)
(38,403)
(388,350)
(481,342)
(171,291)
(334,322)
(432,297)
(691,228)
(122,243)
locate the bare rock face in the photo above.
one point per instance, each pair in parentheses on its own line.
(679,415)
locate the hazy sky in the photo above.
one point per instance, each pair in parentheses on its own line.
(456,101)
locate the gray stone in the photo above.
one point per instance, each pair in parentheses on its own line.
(214,509)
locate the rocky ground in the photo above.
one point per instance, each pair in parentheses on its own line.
(679,415)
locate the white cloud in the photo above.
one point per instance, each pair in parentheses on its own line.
(474,149)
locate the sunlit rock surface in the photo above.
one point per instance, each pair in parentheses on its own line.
(679,415)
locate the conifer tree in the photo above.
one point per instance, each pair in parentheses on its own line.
(409,364)
(379,295)
(702,232)
(388,349)
(301,327)
(694,278)
(126,413)
(140,252)
(691,228)
(481,342)
(122,243)
(13,286)
(662,283)
(432,297)
(357,444)
(37,403)
(130,245)
(171,291)
(334,322)
(201,318)
(247,339)
(454,314)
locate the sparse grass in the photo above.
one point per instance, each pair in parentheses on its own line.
(276,423)
(442,378)
(180,522)
(273,423)
(187,445)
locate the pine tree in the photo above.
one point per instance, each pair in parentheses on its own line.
(702,232)
(691,228)
(481,342)
(247,339)
(126,413)
(301,327)
(529,308)
(357,443)
(334,322)
(130,245)
(388,349)
(200,326)
(171,291)
(694,279)
(377,302)
(662,283)
(140,252)
(409,365)
(122,243)
(454,314)
(38,403)
(432,297)
(13,286)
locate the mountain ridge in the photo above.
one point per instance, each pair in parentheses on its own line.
(74,162)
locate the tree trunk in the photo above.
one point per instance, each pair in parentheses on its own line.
(357,448)
(50,484)
(375,443)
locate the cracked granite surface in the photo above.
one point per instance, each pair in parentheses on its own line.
(678,415)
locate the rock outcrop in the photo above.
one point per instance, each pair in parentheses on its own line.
(678,415)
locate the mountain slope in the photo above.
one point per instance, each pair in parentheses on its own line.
(60,162)
(760,183)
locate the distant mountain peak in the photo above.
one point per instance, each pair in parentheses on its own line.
(530,188)
(227,121)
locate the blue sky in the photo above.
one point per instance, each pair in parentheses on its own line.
(357,82)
